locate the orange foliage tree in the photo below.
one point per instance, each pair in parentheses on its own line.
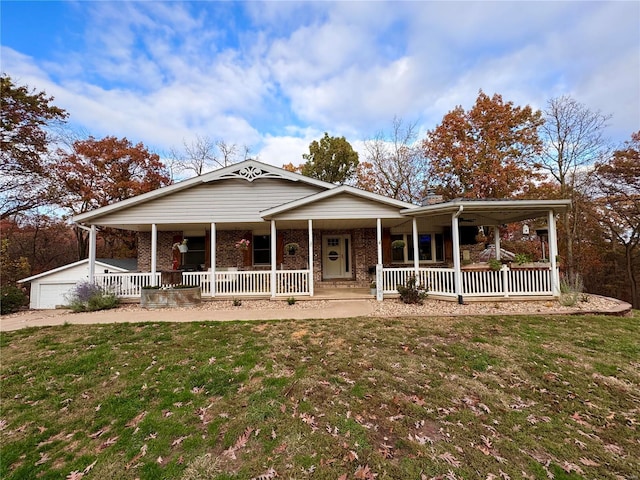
(618,208)
(100,172)
(486,152)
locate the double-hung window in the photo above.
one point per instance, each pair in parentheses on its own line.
(430,248)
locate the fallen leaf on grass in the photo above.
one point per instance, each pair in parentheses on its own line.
(108,442)
(268,475)
(364,473)
(90,467)
(589,463)
(240,443)
(572,467)
(179,440)
(136,420)
(44,458)
(75,475)
(280,448)
(450,459)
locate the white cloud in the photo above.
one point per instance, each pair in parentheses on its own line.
(276,75)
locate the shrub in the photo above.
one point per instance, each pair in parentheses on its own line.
(571,291)
(88,297)
(291,300)
(495,264)
(237,302)
(522,258)
(11,299)
(411,293)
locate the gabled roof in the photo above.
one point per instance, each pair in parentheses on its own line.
(104,263)
(248,170)
(338,190)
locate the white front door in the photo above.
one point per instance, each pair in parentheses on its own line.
(336,256)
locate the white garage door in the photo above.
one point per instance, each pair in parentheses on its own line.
(53,295)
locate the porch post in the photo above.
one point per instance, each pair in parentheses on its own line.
(310,223)
(457,274)
(496,237)
(92,254)
(379,285)
(212,277)
(154,253)
(553,253)
(416,250)
(274,257)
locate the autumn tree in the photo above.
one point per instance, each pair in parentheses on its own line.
(573,138)
(100,172)
(332,159)
(45,242)
(25,119)
(618,207)
(394,164)
(485,152)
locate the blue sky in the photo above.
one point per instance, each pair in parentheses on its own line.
(275,75)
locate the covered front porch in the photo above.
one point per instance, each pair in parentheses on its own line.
(358,251)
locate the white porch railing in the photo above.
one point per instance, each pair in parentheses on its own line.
(292,282)
(439,281)
(243,283)
(125,284)
(475,283)
(228,283)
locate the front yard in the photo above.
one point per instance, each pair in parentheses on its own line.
(467,397)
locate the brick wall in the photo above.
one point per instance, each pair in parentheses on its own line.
(363,254)
(164,256)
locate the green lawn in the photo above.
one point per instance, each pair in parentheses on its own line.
(362,398)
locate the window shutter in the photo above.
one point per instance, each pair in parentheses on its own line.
(386,245)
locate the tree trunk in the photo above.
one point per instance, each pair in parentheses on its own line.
(635,300)
(83,243)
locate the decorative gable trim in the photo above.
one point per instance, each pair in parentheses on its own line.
(251,173)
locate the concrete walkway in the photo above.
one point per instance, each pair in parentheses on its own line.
(41,318)
(306,309)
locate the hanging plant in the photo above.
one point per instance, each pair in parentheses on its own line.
(243,244)
(291,248)
(398,244)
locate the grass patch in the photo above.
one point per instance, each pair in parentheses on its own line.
(397,398)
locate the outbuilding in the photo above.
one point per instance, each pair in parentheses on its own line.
(49,289)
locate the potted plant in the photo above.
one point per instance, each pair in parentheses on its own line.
(398,244)
(291,248)
(372,288)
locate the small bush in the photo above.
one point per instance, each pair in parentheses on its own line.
(291,300)
(571,291)
(88,297)
(522,258)
(237,302)
(495,264)
(410,293)
(11,299)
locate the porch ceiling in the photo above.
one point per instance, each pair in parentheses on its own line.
(488,212)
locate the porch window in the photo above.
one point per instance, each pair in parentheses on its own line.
(194,258)
(430,248)
(262,249)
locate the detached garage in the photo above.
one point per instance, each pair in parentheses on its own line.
(49,289)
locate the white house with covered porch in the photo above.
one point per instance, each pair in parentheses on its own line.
(252,229)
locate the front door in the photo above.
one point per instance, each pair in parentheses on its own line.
(336,256)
